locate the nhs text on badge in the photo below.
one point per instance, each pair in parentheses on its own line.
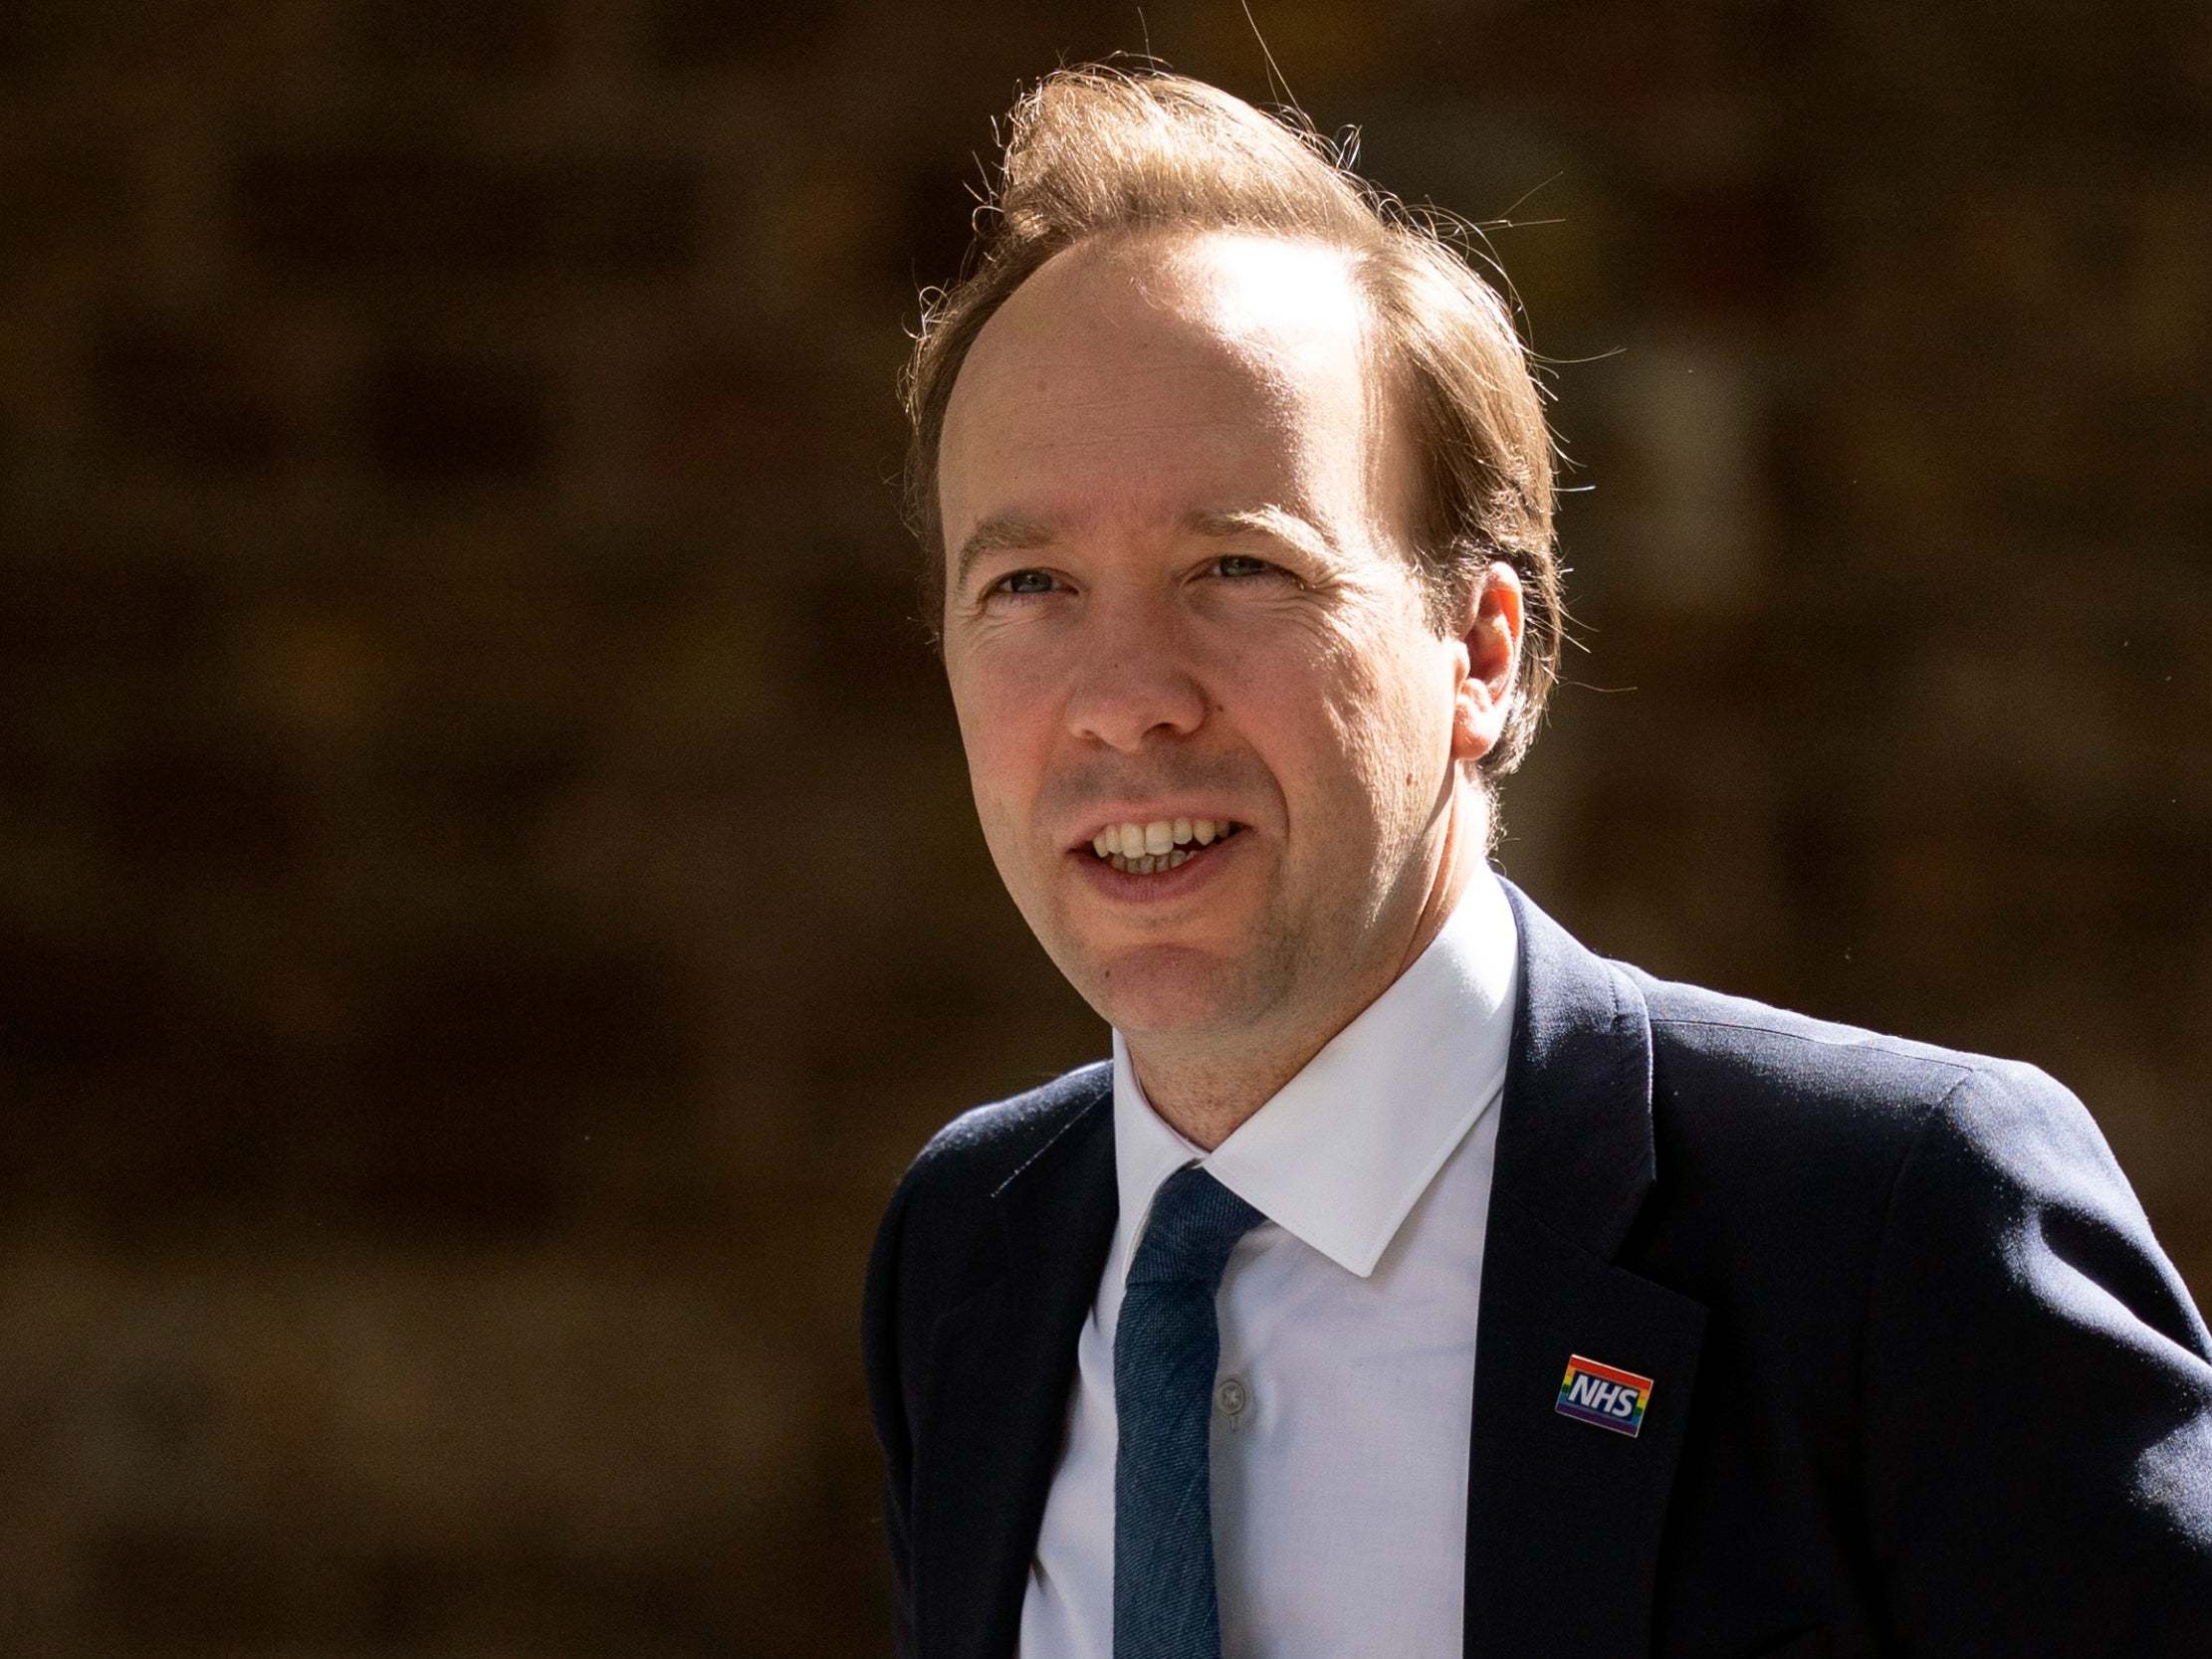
(1603,1394)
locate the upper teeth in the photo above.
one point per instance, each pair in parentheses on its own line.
(1160,836)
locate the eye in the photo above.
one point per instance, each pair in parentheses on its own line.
(1022,585)
(1245,568)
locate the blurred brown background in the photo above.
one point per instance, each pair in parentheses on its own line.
(488,901)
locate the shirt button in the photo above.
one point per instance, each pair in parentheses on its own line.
(1231,1397)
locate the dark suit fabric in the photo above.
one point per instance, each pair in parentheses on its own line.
(1923,1383)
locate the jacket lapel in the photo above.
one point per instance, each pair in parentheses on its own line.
(1564,1516)
(1003,1360)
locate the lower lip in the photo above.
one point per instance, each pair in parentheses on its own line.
(1186,878)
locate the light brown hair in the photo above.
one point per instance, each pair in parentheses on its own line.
(1094,151)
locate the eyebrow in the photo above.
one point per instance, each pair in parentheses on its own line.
(1268,519)
(1018,533)
(1000,534)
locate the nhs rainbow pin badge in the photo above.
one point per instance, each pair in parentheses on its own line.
(1603,1394)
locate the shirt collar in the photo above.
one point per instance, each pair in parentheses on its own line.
(1341,1153)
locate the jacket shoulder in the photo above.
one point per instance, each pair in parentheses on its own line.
(1693,1018)
(1898,1156)
(1760,1113)
(1708,1046)
(938,1226)
(981,1149)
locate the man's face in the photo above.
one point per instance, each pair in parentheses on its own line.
(1176,507)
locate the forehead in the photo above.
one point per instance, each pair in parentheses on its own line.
(1145,375)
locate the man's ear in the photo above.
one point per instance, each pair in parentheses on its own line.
(1490,627)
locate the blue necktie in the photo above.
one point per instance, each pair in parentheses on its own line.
(1165,1346)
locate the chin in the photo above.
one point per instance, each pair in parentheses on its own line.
(1167,987)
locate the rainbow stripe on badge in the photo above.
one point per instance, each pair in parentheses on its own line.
(1603,1394)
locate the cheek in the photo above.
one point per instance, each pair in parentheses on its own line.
(1392,717)
(1003,733)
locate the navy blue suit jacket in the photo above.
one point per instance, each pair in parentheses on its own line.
(1923,1383)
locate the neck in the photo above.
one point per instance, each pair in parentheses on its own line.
(1206,1084)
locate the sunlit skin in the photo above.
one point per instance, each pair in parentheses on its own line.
(1177,503)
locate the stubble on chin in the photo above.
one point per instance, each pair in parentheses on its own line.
(1181,994)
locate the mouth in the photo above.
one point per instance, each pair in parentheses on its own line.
(1157,847)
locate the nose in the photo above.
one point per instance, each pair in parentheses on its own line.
(1133,681)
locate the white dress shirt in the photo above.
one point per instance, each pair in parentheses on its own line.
(1340,1431)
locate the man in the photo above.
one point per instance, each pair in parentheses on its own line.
(1411,1281)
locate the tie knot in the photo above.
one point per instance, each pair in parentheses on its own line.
(1196,1223)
